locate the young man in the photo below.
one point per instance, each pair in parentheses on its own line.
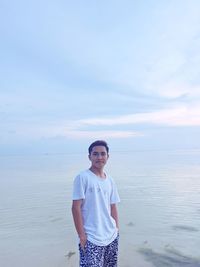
(94,211)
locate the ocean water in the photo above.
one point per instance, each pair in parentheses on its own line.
(159,210)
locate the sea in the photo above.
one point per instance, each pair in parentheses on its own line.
(159,212)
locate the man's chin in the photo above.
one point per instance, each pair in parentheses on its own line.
(100,164)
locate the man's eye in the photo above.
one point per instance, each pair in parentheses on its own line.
(103,154)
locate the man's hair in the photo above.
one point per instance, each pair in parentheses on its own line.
(98,143)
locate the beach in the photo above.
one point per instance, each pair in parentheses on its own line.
(159,210)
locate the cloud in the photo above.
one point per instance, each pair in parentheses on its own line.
(101,134)
(173,89)
(178,116)
(100,127)
(130,70)
(72,130)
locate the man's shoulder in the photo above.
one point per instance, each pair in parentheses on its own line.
(83,175)
(84,178)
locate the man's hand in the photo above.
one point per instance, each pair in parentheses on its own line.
(78,221)
(83,239)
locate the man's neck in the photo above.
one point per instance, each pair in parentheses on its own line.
(98,172)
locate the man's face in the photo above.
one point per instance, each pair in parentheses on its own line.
(98,157)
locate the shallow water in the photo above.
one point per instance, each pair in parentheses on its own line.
(170,257)
(159,209)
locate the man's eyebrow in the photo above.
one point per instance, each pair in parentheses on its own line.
(95,152)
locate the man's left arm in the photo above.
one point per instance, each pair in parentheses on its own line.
(114,214)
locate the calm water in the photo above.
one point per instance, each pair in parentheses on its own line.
(159,209)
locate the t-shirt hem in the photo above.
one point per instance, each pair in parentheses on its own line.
(104,242)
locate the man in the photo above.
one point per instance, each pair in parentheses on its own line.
(95,212)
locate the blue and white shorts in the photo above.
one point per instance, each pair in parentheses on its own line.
(99,256)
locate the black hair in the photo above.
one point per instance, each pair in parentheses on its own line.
(98,143)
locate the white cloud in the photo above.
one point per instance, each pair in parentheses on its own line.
(179,116)
(101,134)
(72,130)
(173,90)
(81,129)
(150,53)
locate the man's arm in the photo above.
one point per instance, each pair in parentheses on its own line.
(78,221)
(114,214)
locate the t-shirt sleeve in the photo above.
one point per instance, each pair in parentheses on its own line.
(114,195)
(78,188)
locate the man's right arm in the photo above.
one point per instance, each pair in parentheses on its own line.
(78,221)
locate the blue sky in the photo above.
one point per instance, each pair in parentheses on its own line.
(76,71)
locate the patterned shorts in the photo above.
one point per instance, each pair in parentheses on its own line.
(99,256)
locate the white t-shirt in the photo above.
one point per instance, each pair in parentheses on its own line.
(97,194)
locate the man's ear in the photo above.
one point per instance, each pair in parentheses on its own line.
(89,157)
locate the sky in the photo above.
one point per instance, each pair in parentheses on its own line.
(76,71)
